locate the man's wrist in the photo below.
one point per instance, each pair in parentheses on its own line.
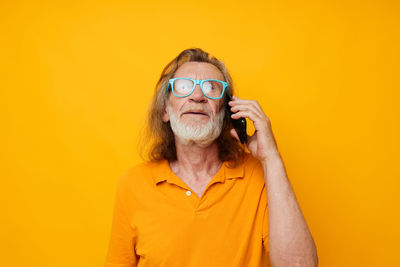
(272,155)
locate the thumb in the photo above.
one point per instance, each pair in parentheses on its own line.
(234,134)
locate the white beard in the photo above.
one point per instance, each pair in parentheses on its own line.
(201,134)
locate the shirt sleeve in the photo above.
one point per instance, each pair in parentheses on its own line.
(121,249)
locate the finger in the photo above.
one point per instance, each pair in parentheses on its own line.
(238,101)
(253,105)
(242,107)
(257,113)
(246,114)
(235,100)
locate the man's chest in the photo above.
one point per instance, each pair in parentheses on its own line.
(199,186)
(173,225)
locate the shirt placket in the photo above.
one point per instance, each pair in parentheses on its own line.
(189,195)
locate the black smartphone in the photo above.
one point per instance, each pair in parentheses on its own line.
(238,124)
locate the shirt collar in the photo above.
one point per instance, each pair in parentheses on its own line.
(162,172)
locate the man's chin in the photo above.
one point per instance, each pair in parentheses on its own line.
(196,141)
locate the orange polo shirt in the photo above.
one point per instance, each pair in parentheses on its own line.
(159,221)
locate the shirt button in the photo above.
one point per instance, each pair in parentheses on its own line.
(188,193)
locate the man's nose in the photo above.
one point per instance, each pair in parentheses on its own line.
(198,95)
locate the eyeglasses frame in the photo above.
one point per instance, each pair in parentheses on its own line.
(196,82)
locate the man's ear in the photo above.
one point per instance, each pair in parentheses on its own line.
(165,115)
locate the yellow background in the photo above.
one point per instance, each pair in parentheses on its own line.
(76,78)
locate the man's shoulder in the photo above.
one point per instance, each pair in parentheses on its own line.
(249,161)
(144,166)
(253,169)
(140,171)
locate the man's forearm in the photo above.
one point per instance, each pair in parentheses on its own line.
(290,241)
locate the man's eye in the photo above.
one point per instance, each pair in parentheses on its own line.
(183,85)
(207,86)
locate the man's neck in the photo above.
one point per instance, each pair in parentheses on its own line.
(196,161)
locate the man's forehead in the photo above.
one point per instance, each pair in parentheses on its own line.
(195,69)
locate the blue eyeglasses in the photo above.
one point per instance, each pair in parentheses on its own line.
(211,88)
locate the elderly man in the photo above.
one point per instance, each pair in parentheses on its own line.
(201,199)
